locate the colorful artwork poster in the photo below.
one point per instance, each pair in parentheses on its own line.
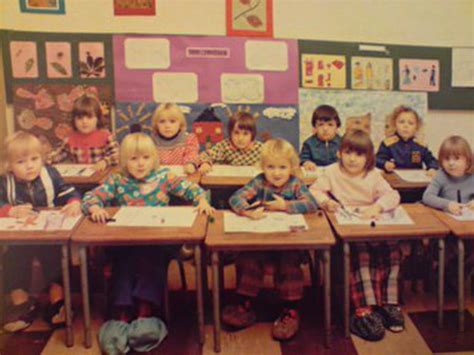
(58,60)
(323,71)
(45,109)
(370,73)
(366,110)
(134,7)
(418,74)
(91,60)
(249,18)
(209,122)
(137,78)
(43,6)
(24,59)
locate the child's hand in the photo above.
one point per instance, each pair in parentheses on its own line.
(331,205)
(309,166)
(470,205)
(205,207)
(389,166)
(205,168)
(189,168)
(257,213)
(100,166)
(431,172)
(278,204)
(98,214)
(455,208)
(22,211)
(370,212)
(72,209)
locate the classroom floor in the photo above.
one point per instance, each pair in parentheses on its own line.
(420,337)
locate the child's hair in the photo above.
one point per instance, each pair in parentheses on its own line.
(456,146)
(359,141)
(277,147)
(87,106)
(325,113)
(20,144)
(168,110)
(392,118)
(137,143)
(244,121)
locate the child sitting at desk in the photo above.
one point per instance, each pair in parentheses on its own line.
(278,188)
(138,272)
(353,181)
(26,185)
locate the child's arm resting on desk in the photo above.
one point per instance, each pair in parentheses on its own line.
(302,201)
(321,190)
(385,196)
(240,200)
(179,186)
(65,194)
(432,199)
(216,154)
(383,156)
(101,195)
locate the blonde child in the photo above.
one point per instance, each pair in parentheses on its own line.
(29,184)
(278,188)
(89,142)
(403,150)
(175,145)
(138,272)
(239,149)
(353,181)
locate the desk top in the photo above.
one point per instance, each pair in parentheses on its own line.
(398,183)
(92,233)
(95,179)
(196,177)
(426,225)
(461,229)
(236,181)
(318,236)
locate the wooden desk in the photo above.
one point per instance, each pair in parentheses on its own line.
(318,237)
(89,181)
(461,230)
(213,182)
(399,184)
(426,226)
(196,177)
(90,233)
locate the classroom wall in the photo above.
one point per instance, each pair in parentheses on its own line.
(419,22)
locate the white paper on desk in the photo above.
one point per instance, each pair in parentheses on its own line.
(175,169)
(349,215)
(314,173)
(154,217)
(413,175)
(70,170)
(467,215)
(237,171)
(44,221)
(273,222)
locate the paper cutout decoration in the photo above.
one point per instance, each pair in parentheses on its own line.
(323,71)
(175,87)
(134,7)
(208,128)
(249,18)
(43,6)
(147,53)
(24,59)
(370,73)
(266,55)
(58,59)
(91,60)
(242,88)
(418,74)
(463,67)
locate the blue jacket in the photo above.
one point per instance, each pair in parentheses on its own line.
(410,154)
(320,152)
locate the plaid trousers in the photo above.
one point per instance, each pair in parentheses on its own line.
(375,270)
(287,273)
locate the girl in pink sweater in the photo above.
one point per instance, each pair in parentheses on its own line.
(353,181)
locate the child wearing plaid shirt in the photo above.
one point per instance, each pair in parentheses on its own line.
(277,189)
(89,143)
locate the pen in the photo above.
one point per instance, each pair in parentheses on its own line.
(81,171)
(459,196)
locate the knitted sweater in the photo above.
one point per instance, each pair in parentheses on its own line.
(224,152)
(180,150)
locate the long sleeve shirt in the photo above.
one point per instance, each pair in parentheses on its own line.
(181,150)
(224,152)
(320,152)
(356,191)
(294,192)
(444,189)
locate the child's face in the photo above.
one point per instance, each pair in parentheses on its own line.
(241,138)
(168,126)
(140,165)
(277,170)
(406,125)
(326,130)
(455,165)
(353,162)
(86,124)
(26,167)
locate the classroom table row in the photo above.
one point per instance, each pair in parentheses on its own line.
(210,233)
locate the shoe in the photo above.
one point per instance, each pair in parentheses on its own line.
(55,314)
(20,317)
(239,316)
(367,325)
(186,252)
(392,317)
(287,325)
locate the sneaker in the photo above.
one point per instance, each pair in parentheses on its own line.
(20,317)
(287,325)
(239,316)
(367,325)
(392,317)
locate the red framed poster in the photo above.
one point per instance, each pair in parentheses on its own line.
(134,7)
(249,18)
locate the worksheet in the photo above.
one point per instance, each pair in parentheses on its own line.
(272,222)
(42,221)
(352,215)
(144,216)
(70,170)
(231,170)
(413,175)
(467,215)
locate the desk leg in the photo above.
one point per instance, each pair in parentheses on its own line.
(461,284)
(216,305)
(440,281)
(199,294)
(347,260)
(85,297)
(327,296)
(67,294)
(2,287)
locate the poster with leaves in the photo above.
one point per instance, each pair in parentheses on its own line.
(249,18)
(24,59)
(91,60)
(58,59)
